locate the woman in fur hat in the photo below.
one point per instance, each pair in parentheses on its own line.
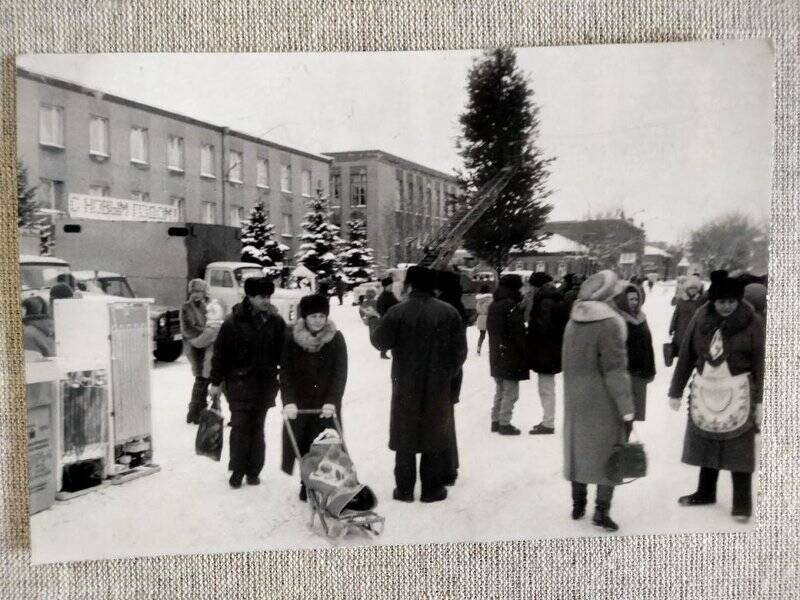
(724,350)
(313,376)
(686,304)
(597,394)
(196,345)
(641,358)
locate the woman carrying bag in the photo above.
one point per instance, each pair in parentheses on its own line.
(724,348)
(313,376)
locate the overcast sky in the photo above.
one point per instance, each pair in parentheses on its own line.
(674,134)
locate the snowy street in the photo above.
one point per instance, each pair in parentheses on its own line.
(508,487)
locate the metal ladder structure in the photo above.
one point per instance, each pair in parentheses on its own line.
(446,241)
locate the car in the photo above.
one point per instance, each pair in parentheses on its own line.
(39,273)
(165,321)
(226,279)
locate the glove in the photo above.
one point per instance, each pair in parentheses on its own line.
(675,404)
(757,414)
(290,411)
(327,411)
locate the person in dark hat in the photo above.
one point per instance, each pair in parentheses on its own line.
(247,353)
(724,350)
(429,346)
(386,300)
(313,376)
(508,359)
(38,328)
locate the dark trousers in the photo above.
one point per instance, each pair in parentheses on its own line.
(481,337)
(602,498)
(742,489)
(199,401)
(430,471)
(247,441)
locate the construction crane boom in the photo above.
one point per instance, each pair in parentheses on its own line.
(441,249)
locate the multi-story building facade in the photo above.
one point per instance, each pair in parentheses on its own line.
(402,202)
(73,139)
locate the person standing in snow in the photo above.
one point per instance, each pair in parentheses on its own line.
(570,292)
(341,288)
(196,345)
(482,302)
(546,322)
(686,304)
(386,300)
(429,346)
(508,361)
(598,402)
(724,349)
(313,376)
(247,355)
(641,357)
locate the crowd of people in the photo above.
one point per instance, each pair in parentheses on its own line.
(593,330)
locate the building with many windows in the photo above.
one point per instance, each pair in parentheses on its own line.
(402,202)
(73,139)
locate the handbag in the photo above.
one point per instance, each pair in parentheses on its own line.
(627,461)
(208,441)
(669,353)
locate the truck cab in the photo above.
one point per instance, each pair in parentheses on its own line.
(165,322)
(39,273)
(226,283)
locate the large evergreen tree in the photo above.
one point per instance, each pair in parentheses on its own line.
(356,258)
(500,127)
(320,240)
(26,202)
(257,243)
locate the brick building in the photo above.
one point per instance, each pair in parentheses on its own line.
(76,140)
(402,202)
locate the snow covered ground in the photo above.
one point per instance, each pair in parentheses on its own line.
(509,487)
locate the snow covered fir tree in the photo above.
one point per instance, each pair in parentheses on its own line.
(257,243)
(320,240)
(356,257)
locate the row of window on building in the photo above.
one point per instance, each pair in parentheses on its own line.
(51,134)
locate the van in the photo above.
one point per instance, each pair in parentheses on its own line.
(226,283)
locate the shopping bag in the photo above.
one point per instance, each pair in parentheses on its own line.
(627,461)
(669,353)
(208,441)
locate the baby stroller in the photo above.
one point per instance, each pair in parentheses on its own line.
(334,493)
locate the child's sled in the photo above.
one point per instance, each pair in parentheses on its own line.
(333,491)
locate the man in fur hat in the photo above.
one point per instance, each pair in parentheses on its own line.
(247,353)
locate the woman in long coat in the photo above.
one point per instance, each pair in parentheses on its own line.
(686,304)
(724,348)
(508,357)
(313,376)
(597,394)
(641,357)
(196,345)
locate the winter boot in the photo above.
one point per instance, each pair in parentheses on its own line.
(402,496)
(495,426)
(602,519)
(236,480)
(696,499)
(508,430)
(253,480)
(579,492)
(436,496)
(303,494)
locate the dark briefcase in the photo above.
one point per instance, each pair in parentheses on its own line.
(628,461)
(669,353)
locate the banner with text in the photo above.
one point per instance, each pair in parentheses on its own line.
(103,208)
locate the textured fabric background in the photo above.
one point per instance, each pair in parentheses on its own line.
(763,564)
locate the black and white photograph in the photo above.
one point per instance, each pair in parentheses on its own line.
(316,300)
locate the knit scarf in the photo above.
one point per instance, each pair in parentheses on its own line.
(313,342)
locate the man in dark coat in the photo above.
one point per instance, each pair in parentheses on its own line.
(428,345)
(247,353)
(508,361)
(386,300)
(546,323)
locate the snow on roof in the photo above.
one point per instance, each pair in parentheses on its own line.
(655,251)
(558,244)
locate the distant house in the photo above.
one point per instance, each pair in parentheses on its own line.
(556,256)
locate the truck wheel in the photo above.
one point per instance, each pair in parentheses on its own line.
(168,351)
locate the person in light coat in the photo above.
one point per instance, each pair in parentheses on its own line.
(597,395)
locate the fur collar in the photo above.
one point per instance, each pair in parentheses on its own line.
(309,341)
(586,311)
